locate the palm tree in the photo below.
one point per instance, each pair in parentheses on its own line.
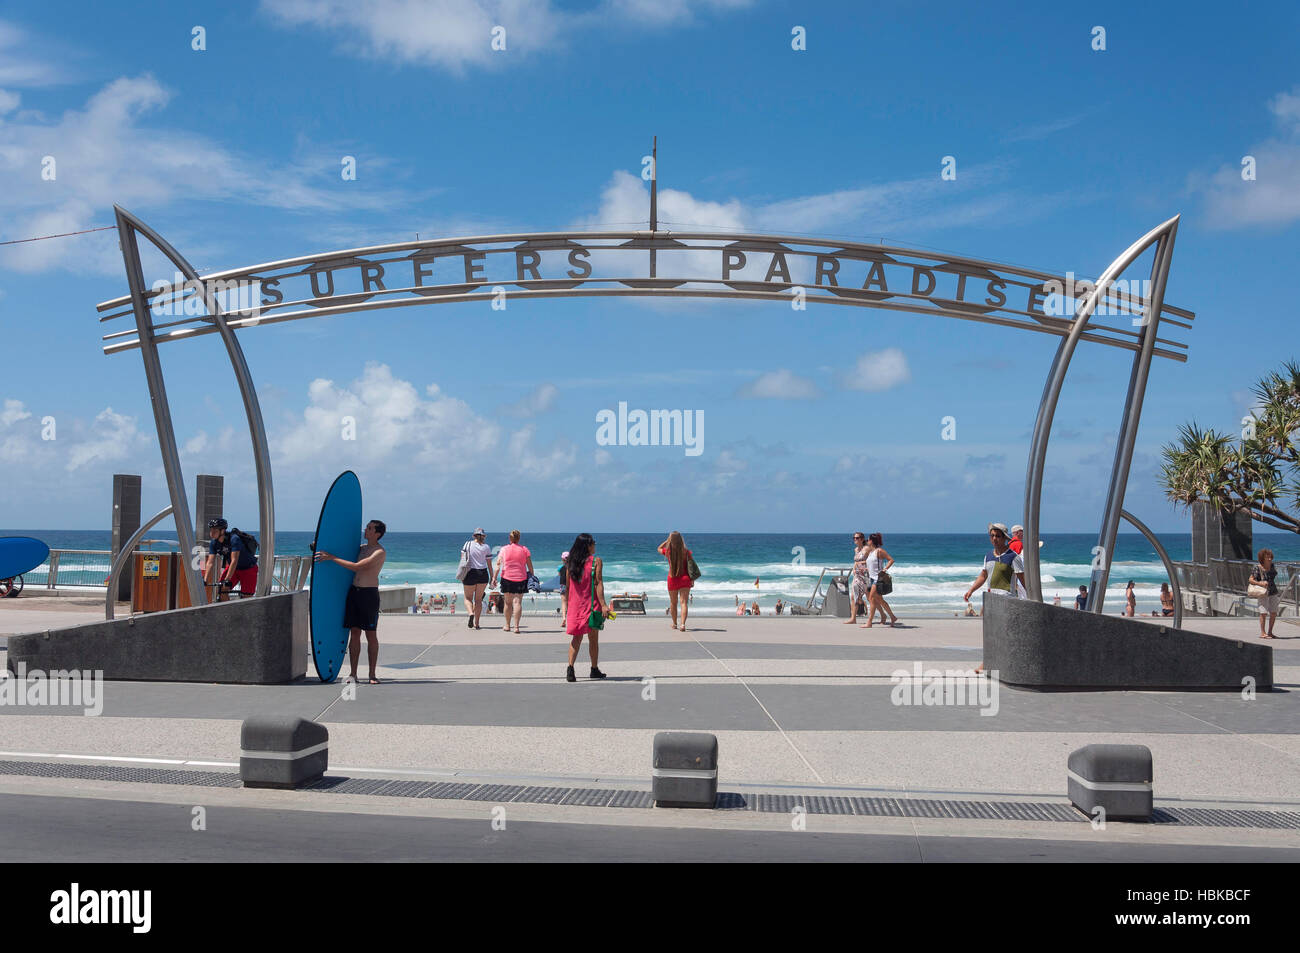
(1258,472)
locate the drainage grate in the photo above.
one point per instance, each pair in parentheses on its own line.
(113,772)
(611,797)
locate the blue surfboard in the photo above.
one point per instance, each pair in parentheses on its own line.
(338,531)
(20,554)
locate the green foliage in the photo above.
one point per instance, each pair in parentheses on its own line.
(1257,472)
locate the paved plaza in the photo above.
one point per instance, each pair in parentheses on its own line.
(802,707)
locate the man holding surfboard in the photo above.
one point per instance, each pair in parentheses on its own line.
(361,610)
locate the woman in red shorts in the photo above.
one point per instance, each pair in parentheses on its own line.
(679,576)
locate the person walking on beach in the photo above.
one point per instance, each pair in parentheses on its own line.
(1265,572)
(586,593)
(679,577)
(361,609)
(1081,600)
(1130,600)
(878,561)
(516,565)
(477,555)
(860,582)
(1003,568)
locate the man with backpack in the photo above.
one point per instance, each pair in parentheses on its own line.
(233,556)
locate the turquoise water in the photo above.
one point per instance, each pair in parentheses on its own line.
(932,570)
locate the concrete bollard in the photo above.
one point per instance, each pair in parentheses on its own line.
(1116,778)
(685,769)
(282,751)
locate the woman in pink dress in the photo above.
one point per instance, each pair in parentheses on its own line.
(586,589)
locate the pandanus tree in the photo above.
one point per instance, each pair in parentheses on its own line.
(1257,471)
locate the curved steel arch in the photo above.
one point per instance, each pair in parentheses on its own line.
(370,265)
(128,226)
(1162,236)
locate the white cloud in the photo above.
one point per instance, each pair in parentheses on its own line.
(14,411)
(1041,130)
(1273,197)
(457,34)
(625,202)
(898,208)
(451,34)
(879,371)
(782,384)
(538,402)
(8,101)
(104,153)
(393,423)
(555,462)
(113,437)
(19,64)
(45,446)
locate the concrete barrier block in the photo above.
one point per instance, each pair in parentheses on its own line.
(282,751)
(1116,778)
(262,641)
(685,769)
(1045,647)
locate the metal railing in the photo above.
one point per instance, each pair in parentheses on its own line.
(72,567)
(290,573)
(90,568)
(818,598)
(1233,575)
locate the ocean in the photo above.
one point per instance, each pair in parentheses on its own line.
(931,571)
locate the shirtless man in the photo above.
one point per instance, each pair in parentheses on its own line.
(361,611)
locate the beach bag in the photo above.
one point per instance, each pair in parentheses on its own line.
(1258,588)
(884,584)
(691,569)
(463,570)
(596,620)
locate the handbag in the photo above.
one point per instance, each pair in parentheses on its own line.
(463,570)
(884,583)
(691,569)
(1256,588)
(596,618)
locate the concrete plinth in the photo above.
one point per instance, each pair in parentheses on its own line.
(281,751)
(245,641)
(1040,646)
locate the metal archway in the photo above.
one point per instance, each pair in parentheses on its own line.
(790,269)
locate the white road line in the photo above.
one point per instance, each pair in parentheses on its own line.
(124,758)
(807,764)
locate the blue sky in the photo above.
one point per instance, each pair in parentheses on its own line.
(814,421)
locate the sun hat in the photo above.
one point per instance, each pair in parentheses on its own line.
(1002,527)
(1017,529)
(479,532)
